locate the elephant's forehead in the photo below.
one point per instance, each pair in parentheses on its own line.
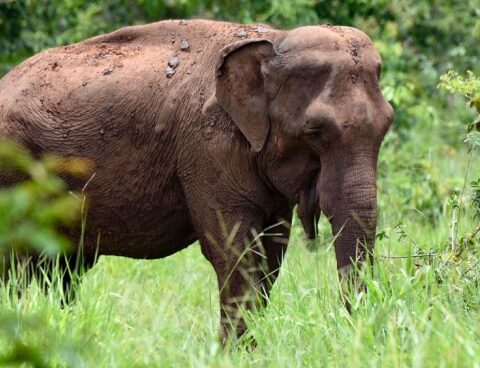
(329,40)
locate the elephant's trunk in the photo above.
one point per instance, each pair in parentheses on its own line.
(348,197)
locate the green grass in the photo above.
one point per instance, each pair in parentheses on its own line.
(165,313)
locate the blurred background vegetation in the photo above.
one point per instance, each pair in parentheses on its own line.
(428,170)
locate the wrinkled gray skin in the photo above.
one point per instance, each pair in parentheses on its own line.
(216,145)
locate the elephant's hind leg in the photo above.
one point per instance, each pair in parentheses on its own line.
(18,271)
(72,268)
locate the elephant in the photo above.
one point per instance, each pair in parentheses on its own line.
(211,131)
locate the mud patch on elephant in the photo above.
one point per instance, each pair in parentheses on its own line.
(216,115)
(173,62)
(261,29)
(107,71)
(202,98)
(25,92)
(354,50)
(103,52)
(184,46)
(338,30)
(169,72)
(241,33)
(64,129)
(54,66)
(172,65)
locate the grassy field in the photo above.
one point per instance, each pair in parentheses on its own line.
(422,308)
(419,311)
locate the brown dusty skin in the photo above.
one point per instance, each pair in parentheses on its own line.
(211,131)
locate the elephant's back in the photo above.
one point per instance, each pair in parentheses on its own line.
(135,79)
(69,89)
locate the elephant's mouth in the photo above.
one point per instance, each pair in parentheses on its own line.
(309,209)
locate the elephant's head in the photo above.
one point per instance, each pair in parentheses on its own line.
(309,103)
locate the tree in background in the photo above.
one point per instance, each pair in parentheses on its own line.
(437,32)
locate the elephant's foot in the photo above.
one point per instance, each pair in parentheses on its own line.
(350,284)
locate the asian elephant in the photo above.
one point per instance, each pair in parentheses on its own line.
(211,131)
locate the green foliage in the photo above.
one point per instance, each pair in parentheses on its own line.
(31,211)
(476,197)
(416,188)
(22,353)
(21,350)
(468,87)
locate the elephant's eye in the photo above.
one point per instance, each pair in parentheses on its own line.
(322,128)
(315,134)
(313,131)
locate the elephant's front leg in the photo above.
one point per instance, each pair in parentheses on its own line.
(233,247)
(240,290)
(349,275)
(275,242)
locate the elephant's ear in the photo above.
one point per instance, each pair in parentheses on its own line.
(240,88)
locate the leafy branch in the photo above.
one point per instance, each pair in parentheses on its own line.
(469,87)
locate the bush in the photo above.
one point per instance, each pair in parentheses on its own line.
(32,211)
